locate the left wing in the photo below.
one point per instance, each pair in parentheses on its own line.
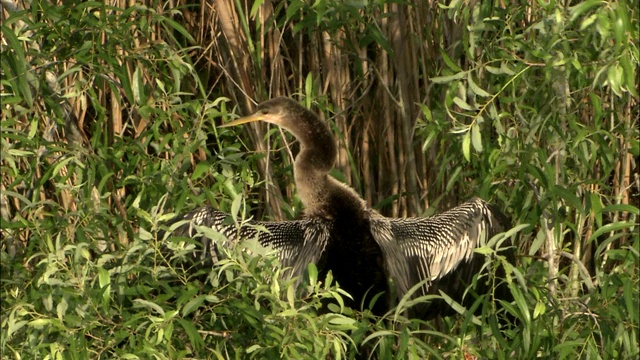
(438,250)
(298,242)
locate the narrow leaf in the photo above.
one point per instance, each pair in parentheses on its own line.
(462,104)
(476,138)
(450,64)
(612,228)
(466,146)
(476,89)
(448,78)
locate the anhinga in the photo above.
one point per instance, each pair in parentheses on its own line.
(340,233)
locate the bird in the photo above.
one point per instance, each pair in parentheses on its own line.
(367,253)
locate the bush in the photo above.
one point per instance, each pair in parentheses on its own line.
(108,132)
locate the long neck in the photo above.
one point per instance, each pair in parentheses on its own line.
(316,158)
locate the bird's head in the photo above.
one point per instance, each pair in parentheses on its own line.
(318,146)
(280,111)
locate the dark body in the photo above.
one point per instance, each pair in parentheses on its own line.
(363,249)
(354,257)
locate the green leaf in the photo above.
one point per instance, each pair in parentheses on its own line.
(569,197)
(475,88)
(61,309)
(484,250)
(516,229)
(453,178)
(476,137)
(378,334)
(612,228)
(621,207)
(629,74)
(289,313)
(253,348)
(39,323)
(14,326)
(235,207)
(136,86)
(590,20)
(521,303)
(568,348)
(614,78)
(537,242)
(505,69)
(312,270)
(18,64)
(583,7)
(426,111)
(176,26)
(201,169)
(448,78)
(537,173)
(596,207)
(291,295)
(308,87)
(342,322)
(466,146)
(194,336)
(103,277)
(450,64)
(462,104)
(61,164)
(141,303)
(192,305)
(457,307)
(540,309)
(493,70)
(255,8)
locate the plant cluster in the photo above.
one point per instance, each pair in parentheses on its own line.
(108,130)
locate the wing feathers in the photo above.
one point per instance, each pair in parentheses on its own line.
(298,242)
(431,248)
(437,251)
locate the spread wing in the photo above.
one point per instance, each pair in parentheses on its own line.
(438,250)
(298,242)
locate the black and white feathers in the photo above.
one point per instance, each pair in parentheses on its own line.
(340,233)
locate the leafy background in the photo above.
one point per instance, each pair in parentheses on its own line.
(109,116)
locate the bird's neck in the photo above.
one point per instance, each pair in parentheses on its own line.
(318,149)
(322,195)
(316,158)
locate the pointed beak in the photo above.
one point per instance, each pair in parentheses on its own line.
(244,120)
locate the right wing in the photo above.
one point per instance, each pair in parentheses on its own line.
(437,251)
(298,242)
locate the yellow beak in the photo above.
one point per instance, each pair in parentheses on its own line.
(244,120)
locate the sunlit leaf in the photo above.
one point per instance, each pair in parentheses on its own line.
(476,138)
(462,104)
(613,227)
(476,89)
(466,146)
(448,78)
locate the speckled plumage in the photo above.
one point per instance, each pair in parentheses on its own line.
(341,234)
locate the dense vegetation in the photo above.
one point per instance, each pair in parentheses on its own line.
(109,117)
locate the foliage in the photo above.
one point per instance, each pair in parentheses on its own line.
(108,132)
